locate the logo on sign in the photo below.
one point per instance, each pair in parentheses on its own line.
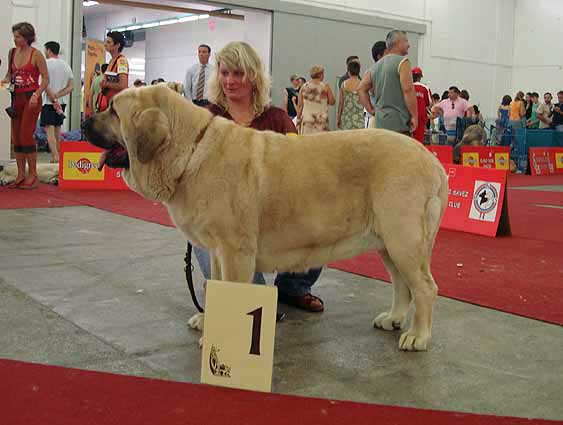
(485,201)
(84,165)
(217,368)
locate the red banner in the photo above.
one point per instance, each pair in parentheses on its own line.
(486,157)
(78,169)
(444,153)
(546,161)
(477,201)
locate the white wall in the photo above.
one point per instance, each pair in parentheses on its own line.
(538,50)
(52,20)
(468,44)
(171,49)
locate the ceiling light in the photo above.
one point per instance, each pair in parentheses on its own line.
(188,18)
(169,22)
(89,3)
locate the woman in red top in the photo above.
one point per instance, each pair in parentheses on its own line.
(240,90)
(116,77)
(26,65)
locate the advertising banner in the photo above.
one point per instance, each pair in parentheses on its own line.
(477,201)
(78,169)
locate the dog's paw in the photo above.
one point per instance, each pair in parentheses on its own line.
(387,322)
(411,341)
(196,322)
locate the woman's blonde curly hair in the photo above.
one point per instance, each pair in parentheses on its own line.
(239,55)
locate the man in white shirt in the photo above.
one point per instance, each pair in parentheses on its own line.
(197,77)
(545,111)
(55,97)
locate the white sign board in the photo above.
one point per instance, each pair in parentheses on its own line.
(238,335)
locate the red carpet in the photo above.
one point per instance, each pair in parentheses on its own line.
(518,180)
(522,274)
(39,394)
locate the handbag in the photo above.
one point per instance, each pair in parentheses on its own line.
(10,110)
(102,100)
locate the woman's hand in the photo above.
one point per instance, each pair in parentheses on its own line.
(33,101)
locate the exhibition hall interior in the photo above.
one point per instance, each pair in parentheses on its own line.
(281,211)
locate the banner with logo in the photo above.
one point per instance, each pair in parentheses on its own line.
(477,201)
(486,157)
(78,168)
(95,55)
(546,161)
(444,153)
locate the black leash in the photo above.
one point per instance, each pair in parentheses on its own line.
(188,269)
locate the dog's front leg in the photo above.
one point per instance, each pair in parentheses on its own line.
(237,266)
(196,321)
(216,273)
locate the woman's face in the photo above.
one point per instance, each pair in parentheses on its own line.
(19,40)
(110,45)
(233,83)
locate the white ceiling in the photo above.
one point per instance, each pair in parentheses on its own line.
(106,9)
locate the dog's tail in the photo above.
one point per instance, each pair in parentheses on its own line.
(436,207)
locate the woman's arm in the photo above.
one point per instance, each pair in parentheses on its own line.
(285,98)
(41,64)
(300,105)
(340,106)
(330,96)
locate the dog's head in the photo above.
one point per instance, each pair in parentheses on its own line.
(147,131)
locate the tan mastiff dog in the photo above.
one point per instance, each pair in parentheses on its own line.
(262,201)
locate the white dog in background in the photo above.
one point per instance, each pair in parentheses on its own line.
(47,173)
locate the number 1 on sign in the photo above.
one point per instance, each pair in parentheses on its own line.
(256,330)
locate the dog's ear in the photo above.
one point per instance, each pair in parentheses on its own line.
(152,132)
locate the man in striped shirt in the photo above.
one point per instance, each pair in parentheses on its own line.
(197,76)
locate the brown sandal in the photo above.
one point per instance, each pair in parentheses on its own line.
(307,302)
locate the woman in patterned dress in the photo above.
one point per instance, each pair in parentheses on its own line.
(350,111)
(314,98)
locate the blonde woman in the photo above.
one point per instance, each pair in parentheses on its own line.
(239,91)
(314,99)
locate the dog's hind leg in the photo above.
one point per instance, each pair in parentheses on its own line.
(409,244)
(396,317)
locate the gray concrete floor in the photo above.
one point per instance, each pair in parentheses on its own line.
(85,288)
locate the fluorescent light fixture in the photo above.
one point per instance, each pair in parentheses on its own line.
(188,18)
(169,22)
(89,3)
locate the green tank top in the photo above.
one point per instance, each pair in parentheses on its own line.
(391,111)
